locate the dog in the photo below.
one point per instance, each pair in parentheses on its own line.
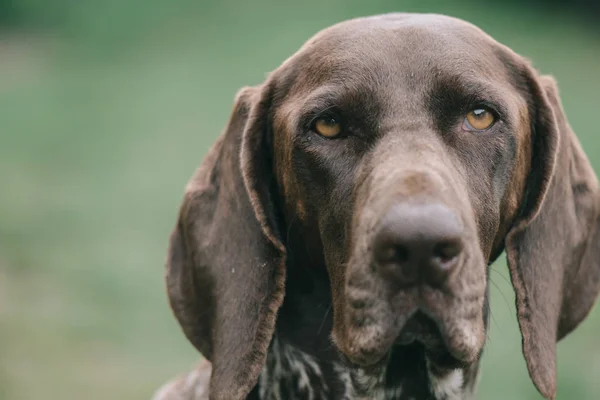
(335,241)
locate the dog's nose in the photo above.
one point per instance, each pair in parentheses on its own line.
(418,244)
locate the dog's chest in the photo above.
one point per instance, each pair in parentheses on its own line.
(291,374)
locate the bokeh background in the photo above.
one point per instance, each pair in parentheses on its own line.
(106,109)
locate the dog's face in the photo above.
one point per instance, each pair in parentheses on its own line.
(402,150)
(402,154)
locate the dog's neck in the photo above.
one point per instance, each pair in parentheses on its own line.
(291,373)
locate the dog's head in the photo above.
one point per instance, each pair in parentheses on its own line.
(404,153)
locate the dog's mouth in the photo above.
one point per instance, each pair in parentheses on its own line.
(422,329)
(448,342)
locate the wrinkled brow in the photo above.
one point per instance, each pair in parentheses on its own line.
(358,103)
(453,95)
(325,97)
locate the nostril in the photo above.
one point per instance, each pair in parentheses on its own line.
(393,254)
(401,254)
(386,254)
(445,256)
(395,260)
(446,252)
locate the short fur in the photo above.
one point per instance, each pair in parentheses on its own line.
(271,270)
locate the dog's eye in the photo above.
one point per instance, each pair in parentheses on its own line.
(479,119)
(328,127)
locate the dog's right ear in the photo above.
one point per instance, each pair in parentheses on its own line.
(226,264)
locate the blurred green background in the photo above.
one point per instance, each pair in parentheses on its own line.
(106,109)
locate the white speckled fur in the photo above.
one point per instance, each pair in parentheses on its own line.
(291,374)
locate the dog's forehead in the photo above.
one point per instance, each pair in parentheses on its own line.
(386,46)
(399,31)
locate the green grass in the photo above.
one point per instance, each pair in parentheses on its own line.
(100,129)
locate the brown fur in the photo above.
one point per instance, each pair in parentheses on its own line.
(277,210)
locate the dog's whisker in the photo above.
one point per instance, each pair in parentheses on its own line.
(324,319)
(501,293)
(501,275)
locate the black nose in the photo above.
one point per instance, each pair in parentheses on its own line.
(418,244)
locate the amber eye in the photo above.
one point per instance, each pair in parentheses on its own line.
(478,119)
(328,127)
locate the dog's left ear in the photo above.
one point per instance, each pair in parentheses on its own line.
(553,248)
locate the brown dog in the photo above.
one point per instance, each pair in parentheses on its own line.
(334,244)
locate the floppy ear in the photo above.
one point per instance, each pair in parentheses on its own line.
(225,268)
(553,249)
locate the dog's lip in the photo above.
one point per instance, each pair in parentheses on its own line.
(363,359)
(435,336)
(370,352)
(417,326)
